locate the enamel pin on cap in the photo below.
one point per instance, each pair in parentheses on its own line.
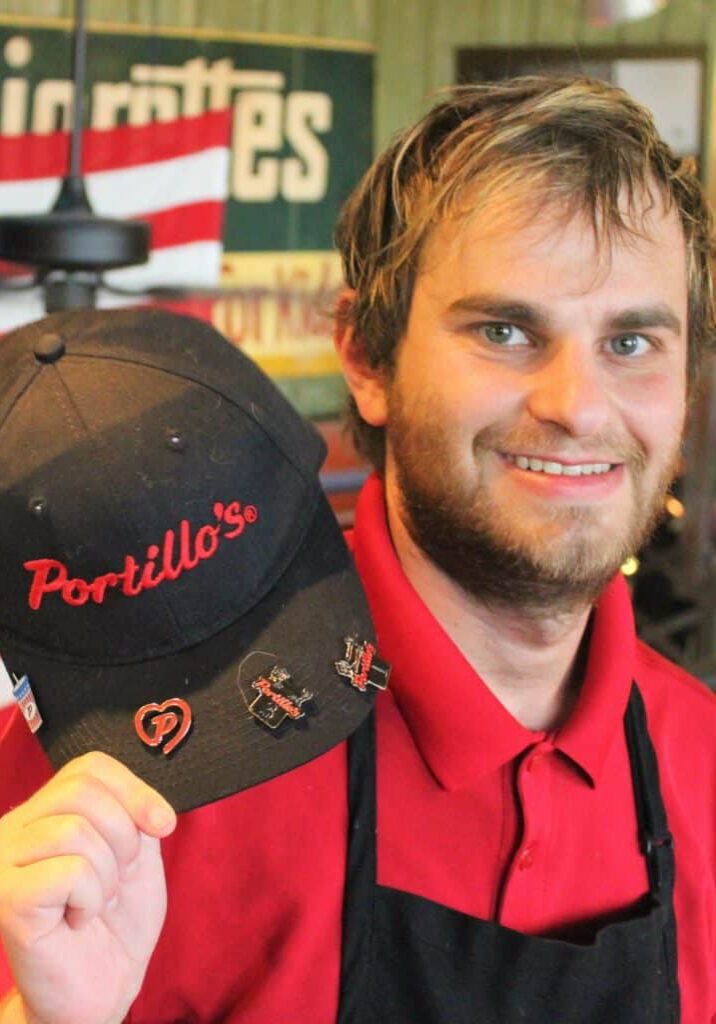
(25,698)
(278,698)
(164,725)
(274,695)
(361,666)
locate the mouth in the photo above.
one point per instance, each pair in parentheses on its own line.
(554,467)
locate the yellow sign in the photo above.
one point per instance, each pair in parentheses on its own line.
(279,310)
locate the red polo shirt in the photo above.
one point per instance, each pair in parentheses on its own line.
(475,811)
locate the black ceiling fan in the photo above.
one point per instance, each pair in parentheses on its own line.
(71,247)
(68,250)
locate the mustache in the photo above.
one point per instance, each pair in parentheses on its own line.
(603,447)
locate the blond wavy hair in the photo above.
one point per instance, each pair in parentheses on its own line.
(577,142)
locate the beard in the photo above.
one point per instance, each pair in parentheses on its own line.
(546,560)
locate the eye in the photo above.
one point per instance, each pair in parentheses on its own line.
(504,334)
(629,345)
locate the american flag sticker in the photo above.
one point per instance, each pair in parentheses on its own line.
(22,692)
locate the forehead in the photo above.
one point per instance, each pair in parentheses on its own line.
(558,247)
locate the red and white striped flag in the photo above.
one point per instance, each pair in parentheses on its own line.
(173,174)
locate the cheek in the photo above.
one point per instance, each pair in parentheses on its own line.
(654,409)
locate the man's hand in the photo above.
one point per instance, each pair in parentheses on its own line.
(82,893)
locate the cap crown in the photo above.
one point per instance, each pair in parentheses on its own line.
(154,484)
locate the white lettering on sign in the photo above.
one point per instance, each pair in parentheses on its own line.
(305,176)
(257,129)
(277,146)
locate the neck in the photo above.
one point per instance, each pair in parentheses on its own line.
(529,658)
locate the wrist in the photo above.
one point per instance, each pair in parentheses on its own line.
(13,1010)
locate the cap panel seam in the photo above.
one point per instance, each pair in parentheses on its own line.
(34,372)
(247,409)
(128,525)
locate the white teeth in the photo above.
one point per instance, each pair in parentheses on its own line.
(559,468)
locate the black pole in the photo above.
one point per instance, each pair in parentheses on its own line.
(79,62)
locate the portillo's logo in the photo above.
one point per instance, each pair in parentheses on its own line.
(180,552)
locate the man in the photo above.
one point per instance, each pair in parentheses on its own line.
(528,306)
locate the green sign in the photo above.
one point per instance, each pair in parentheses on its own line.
(297,138)
(301,115)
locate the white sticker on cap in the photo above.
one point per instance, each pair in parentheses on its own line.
(22,692)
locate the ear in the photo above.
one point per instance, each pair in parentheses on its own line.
(366,384)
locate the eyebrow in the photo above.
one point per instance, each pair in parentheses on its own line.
(658,315)
(638,318)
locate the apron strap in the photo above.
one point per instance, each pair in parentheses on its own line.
(654,836)
(359,892)
(656,841)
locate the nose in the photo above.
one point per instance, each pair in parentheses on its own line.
(570,390)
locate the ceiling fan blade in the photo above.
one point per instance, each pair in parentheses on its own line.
(18,279)
(23,285)
(171,292)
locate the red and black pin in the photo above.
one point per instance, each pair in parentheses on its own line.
(278,698)
(361,666)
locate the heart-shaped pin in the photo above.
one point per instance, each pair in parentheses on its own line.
(156,722)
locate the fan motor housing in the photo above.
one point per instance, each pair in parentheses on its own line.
(74,241)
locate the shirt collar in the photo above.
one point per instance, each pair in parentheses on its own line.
(461,730)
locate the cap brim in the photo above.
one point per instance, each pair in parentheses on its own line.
(299,627)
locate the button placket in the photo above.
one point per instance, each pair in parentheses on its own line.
(523,891)
(527,858)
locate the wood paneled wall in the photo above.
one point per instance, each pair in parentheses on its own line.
(417,39)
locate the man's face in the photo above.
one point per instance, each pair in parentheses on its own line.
(538,401)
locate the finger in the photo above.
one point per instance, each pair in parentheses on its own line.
(147,808)
(64,835)
(81,796)
(108,795)
(42,894)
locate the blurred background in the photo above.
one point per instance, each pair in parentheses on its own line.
(234,130)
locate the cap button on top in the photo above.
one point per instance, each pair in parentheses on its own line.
(49,348)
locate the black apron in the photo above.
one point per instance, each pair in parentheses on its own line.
(408,960)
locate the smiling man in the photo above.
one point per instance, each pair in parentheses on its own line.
(524,828)
(534,413)
(529,303)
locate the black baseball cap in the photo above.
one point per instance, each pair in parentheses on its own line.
(175,590)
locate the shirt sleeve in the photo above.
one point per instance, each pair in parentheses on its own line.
(24,766)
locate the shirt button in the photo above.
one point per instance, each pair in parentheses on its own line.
(526,859)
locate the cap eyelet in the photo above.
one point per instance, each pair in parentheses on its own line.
(175,440)
(37,505)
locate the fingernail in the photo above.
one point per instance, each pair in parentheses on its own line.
(161,817)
